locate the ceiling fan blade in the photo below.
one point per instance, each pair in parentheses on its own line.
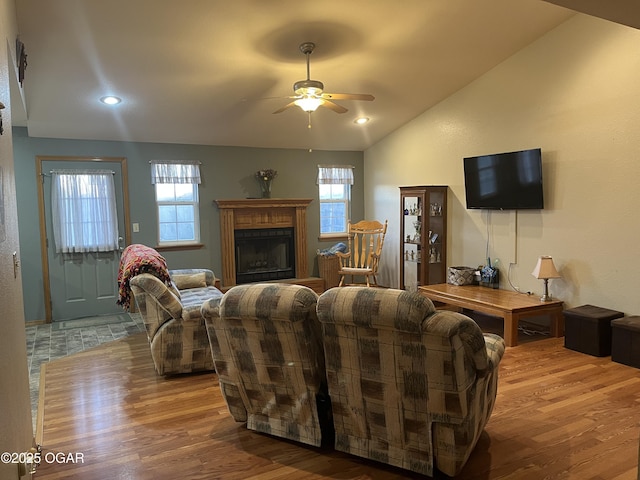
(334,106)
(280,110)
(348,96)
(270,98)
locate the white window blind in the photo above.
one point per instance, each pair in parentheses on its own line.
(84,211)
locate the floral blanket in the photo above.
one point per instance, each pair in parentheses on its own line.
(136,259)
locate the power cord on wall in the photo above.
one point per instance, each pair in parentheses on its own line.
(486,253)
(515,288)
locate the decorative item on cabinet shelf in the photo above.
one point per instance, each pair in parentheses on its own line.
(265,178)
(413,210)
(435,210)
(412,255)
(417,224)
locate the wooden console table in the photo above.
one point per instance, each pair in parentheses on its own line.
(511,306)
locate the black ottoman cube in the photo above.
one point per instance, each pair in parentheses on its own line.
(587,329)
(625,341)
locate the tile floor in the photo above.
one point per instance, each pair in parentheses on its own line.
(59,339)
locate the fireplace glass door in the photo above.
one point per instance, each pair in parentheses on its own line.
(264,254)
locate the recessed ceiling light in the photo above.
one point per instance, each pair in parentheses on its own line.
(110,100)
(361,120)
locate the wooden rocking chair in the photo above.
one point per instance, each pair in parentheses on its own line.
(364,248)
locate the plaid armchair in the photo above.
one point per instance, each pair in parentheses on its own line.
(410,386)
(266,346)
(171,313)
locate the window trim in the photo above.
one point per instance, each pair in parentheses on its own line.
(176,172)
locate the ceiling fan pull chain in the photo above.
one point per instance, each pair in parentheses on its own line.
(309,125)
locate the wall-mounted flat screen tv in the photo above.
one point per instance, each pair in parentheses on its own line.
(504,181)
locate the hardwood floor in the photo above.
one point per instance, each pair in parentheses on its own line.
(559,415)
(49,341)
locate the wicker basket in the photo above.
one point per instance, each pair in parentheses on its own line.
(461,276)
(328,266)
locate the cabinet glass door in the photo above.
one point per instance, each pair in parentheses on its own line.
(423,228)
(436,237)
(412,241)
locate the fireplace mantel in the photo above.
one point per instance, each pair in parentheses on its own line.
(253,213)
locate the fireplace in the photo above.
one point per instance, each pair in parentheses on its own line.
(244,219)
(264,254)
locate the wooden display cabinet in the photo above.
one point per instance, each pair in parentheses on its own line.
(423,236)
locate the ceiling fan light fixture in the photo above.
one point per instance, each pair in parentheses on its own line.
(308,87)
(309,104)
(361,120)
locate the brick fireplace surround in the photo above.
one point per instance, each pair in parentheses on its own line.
(259,213)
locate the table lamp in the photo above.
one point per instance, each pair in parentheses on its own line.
(545,269)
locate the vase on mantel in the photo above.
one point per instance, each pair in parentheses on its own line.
(265,187)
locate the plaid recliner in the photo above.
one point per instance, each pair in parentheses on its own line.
(265,341)
(410,386)
(171,313)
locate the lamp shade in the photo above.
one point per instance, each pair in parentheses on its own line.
(545,268)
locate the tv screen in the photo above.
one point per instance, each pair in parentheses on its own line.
(504,181)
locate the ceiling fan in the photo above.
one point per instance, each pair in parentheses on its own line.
(309,93)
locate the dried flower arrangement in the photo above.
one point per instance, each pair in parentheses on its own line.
(266,174)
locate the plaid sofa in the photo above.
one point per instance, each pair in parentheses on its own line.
(265,341)
(171,313)
(410,386)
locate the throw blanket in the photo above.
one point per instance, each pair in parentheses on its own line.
(136,259)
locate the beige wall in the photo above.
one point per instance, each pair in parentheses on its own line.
(575,94)
(16,433)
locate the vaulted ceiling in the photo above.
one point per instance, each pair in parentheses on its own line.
(625,12)
(207,71)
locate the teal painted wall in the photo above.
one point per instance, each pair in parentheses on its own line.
(227,173)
